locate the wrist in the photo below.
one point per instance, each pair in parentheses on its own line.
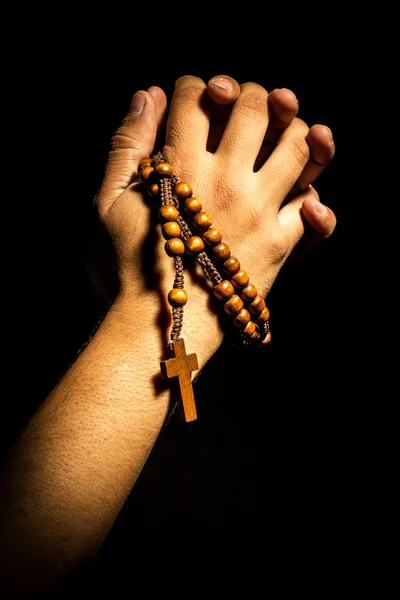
(146,317)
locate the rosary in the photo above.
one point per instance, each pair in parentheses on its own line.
(230,283)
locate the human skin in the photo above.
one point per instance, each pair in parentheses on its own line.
(71,470)
(223,90)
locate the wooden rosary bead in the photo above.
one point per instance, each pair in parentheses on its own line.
(194,245)
(264,316)
(224,290)
(168,212)
(240,279)
(146,162)
(154,190)
(164,169)
(192,206)
(212,236)
(249,293)
(222,251)
(174,247)
(177,297)
(171,229)
(202,220)
(231,266)
(182,190)
(242,318)
(257,306)
(235,290)
(267,338)
(145,174)
(249,329)
(234,305)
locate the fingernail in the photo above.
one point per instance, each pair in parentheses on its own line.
(320,208)
(290,92)
(222,83)
(329,131)
(137,103)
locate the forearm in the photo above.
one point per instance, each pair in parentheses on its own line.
(72,468)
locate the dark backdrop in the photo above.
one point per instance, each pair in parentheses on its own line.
(269,450)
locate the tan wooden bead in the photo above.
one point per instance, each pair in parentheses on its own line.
(182,190)
(146,162)
(249,293)
(154,190)
(164,169)
(240,279)
(202,220)
(222,251)
(242,318)
(224,290)
(145,174)
(212,236)
(177,297)
(174,247)
(267,338)
(192,206)
(255,336)
(234,305)
(168,212)
(257,306)
(171,229)
(249,329)
(264,316)
(231,266)
(193,245)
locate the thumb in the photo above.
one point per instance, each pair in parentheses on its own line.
(134,140)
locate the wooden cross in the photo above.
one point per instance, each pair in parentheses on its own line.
(182,366)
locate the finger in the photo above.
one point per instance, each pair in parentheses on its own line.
(291,218)
(283,106)
(222,91)
(245,130)
(321,218)
(308,220)
(320,223)
(133,141)
(159,98)
(188,120)
(322,151)
(283,168)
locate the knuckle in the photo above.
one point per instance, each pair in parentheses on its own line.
(299,150)
(300,125)
(189,94)
(278,246)
(122,140)
(188,80)
(253,100)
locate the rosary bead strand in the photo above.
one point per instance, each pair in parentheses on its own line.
(180,364)
(231,283)
(241,295)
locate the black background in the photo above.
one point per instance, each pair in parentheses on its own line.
(273,447)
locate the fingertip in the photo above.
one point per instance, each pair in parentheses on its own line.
(322,143)
(137,103)
(160,101)
(320,217)
(322,131)
(157,94)
(223,89)
(284,103)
